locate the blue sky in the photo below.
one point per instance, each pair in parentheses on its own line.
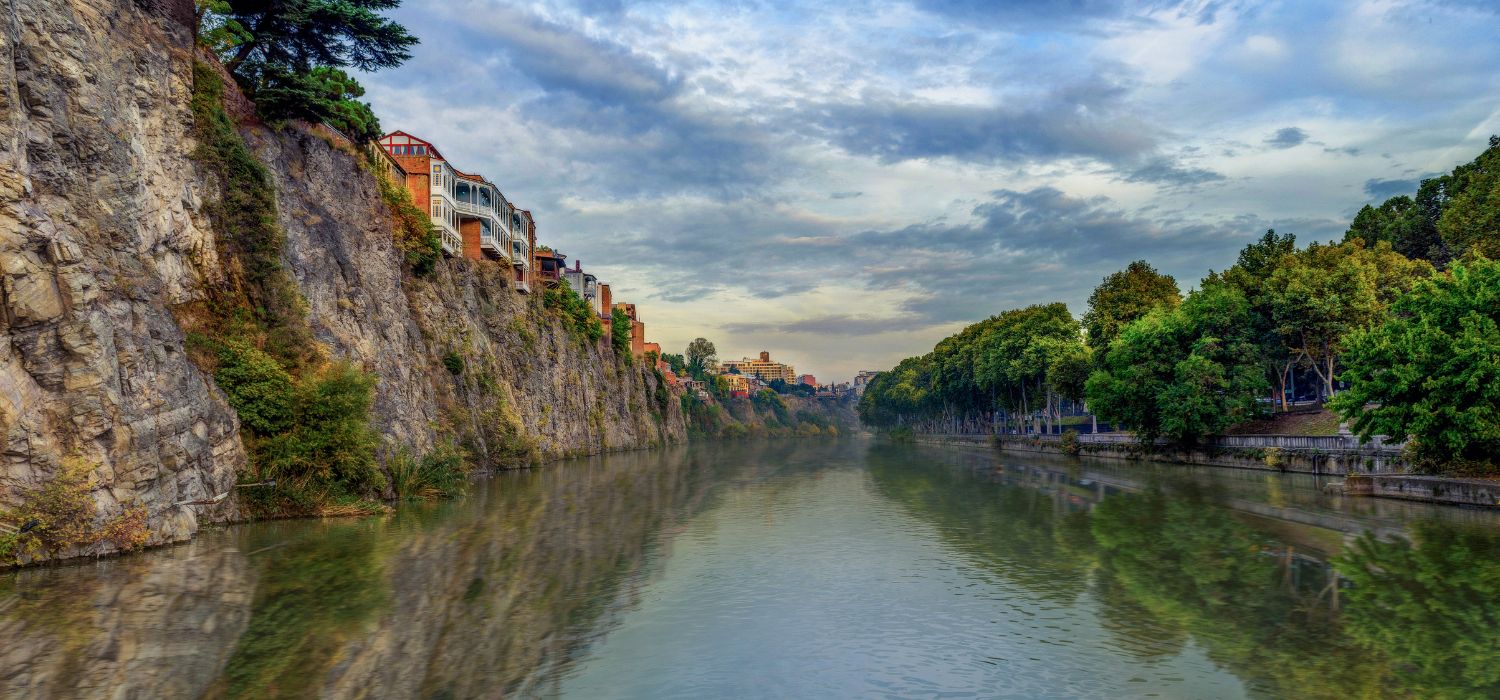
(845,183)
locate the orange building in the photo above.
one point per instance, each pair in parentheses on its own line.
(807,379)
(637,330)
(472,216)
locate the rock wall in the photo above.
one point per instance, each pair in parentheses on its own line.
(100,237)
(103,238)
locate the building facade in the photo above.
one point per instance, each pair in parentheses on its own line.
(472,216)
(761,367)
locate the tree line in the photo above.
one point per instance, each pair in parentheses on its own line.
(1397,322)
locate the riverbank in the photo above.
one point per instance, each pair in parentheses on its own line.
(1375,471)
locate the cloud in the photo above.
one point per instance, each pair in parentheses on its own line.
(1378,189)
(758,167)
(1085,119)
(1286,137)
(1165,171)
(837,325)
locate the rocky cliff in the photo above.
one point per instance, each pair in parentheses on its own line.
(105,248)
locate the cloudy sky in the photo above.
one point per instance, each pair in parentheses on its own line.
(845,183)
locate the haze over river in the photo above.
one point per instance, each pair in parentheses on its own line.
(795,569)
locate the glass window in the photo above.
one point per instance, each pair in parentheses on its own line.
(463,192)
(421,150)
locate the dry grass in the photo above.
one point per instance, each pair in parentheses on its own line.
(1310,423)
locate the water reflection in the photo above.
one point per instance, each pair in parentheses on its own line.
(830,568)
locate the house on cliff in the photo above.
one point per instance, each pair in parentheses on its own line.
(473,217)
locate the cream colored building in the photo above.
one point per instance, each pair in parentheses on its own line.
(762,367)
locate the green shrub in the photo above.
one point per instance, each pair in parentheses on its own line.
(1069,442)
(416,235)
(577,316)
(329,450)
(259,390)
(454,362)
(901,433)
(438,474)
(620,329)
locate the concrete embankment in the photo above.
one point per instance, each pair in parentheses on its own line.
(1369,470)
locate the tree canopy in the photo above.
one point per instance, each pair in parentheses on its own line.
(1183,373)
(1124,297)
(288,55)
(700,355)
(1432,368)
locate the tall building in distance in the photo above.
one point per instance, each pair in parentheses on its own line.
(762,368)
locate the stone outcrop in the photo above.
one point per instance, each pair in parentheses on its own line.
(105,246)
(100,237)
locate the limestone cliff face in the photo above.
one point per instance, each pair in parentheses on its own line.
(100,237)
(103,237)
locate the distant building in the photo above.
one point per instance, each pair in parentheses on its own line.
(861,380)
(807,379)
(584,283)
(762,368)
(637,330)
(649,348)
(549,266)
(739,385)
(473,218)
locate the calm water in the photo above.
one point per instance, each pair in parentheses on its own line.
(796,570)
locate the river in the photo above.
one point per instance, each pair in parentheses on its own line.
(798,569)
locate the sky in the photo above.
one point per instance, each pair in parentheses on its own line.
(844,183)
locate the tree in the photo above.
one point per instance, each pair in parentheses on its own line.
(700,354)
(1124,297)
(1184,373)
(1470,223)
(275,48)
(620,328)
(1319,295)
(1431,370)
(676,363)
(1251,274)
(324,94)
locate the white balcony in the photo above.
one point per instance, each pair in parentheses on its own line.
(523,287)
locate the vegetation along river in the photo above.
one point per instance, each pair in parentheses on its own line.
(798,569)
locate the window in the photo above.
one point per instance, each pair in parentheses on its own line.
(421,150)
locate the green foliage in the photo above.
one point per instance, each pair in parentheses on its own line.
(699,356)
(454,363)
(1320,294)
(619,335)
(1470,222)
(1182,374)
(578,317)
(1068,442)
(703,418)
(1124,297)
(1432,369)
(1430,607)
(257,386)
(287,56)
(416,235)
(1450,216)
(328,449)
(244,217)
(768,401)
(437,474)
(676,363)
(1001,362)
(323,95)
